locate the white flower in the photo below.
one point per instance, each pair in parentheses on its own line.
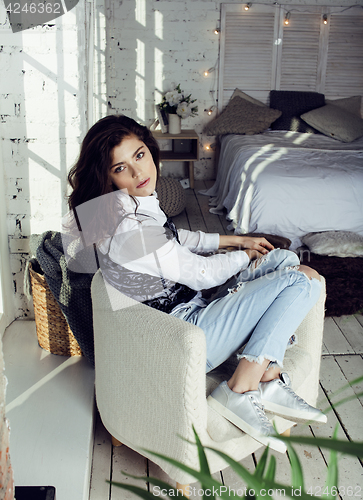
(174,97)
(184,109)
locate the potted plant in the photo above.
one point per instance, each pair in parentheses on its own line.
(177,105)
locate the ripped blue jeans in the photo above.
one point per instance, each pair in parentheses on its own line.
(261,307)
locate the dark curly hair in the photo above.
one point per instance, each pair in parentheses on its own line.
(89,176)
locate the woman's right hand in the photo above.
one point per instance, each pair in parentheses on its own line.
(253,254)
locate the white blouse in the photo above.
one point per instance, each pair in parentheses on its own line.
(141,244)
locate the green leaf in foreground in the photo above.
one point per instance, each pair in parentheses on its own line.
(332,474)
(354,448)
(297,475)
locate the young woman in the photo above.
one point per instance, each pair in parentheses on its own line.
(263,295)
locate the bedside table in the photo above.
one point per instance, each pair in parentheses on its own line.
(185,147)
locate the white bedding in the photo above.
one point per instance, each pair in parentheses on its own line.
(290,184)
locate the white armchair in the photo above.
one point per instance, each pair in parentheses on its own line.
(151,384)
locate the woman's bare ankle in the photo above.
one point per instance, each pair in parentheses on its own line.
(271,374)
(241,388)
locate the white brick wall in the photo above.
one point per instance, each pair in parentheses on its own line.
(43,96)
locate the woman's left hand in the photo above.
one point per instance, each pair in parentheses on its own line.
(242,242)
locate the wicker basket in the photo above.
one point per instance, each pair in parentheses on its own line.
(54,334)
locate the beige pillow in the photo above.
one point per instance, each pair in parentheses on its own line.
(351,104)
(239,93)
(242,117)
(335,122)
(335,243)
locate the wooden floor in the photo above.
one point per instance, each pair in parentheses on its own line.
(342,361)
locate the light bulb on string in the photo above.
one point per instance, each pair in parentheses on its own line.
(210,110)
(325,19)
(287,17)
(247,6)
(208,71)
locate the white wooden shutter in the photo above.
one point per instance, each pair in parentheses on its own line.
(248,52)
(344,69)
(298,66)
(258,53)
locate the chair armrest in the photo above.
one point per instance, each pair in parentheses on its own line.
(310,340)
(150,372)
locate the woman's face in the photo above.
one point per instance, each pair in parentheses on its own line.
(132,167)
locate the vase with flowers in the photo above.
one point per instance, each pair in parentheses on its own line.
(177,105)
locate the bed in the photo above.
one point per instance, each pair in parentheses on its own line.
(292,168)
(289,184)
(291,158)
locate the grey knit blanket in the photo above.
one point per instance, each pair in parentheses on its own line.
(72,290)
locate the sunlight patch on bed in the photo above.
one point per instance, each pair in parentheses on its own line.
(258,168)
(289,134)
(301,138)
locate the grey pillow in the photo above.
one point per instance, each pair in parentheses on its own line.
(335,122)
(242,117)
(351,104)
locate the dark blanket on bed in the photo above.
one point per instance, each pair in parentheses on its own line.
(344,281)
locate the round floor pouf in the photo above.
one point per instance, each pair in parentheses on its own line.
(171,196)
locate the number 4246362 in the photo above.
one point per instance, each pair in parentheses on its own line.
(351,491)
(34,8)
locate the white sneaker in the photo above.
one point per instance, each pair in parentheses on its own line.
(278,398)
(246,412)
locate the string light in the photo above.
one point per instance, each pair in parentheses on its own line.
(210,110)
(208,71)
(325,19)
(287,17)
(217,31)
(247,6)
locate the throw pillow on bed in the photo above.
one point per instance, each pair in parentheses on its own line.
(335,243)
(242,117)
(293,104)
(352,104)
(239,93)
(335,122)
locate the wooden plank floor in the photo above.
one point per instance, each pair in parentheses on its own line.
(342,361)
